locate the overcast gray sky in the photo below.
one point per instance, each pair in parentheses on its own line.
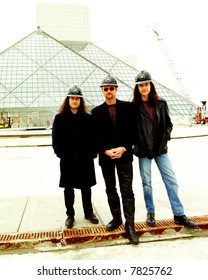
(125,28)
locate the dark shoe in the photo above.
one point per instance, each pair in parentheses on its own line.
(113,224)
(132,235)
(150,219)
(69,222)
(92,218)
(183,220)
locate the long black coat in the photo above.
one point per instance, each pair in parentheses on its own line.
(73,142)
(120,135)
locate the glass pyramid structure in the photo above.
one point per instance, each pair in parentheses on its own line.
(37,71)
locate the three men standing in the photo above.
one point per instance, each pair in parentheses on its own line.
(112,130)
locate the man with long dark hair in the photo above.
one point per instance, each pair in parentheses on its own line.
(73,142)
(154,128)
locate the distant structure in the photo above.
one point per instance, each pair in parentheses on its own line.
(64,22)
(37,71)
(172,67)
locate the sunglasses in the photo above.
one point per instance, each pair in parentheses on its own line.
(107,89)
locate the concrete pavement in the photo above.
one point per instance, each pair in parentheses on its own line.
(31,201)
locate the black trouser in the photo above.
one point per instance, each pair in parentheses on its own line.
(69,198)
(125,176)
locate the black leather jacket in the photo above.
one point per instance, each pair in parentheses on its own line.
(109,136)
(147,144)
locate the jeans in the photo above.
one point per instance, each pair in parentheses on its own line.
(169,179)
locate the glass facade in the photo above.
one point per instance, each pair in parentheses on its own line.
(37,71)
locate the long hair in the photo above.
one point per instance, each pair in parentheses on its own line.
(152,97)
(64,108)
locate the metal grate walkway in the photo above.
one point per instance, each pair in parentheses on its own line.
(99,233)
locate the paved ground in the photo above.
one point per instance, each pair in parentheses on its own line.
(30,175)
(31,200)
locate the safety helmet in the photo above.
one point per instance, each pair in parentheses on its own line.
(109,81)
(75,91)
(143,77)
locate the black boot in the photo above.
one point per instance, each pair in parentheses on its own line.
(92,218)
(113,224)
(131,234)
(69,222)
(150,219)
(183,220)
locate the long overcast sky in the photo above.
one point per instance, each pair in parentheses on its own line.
(125,28)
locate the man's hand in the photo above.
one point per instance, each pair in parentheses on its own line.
(115,152)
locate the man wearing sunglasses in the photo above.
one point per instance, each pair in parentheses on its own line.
(114,129)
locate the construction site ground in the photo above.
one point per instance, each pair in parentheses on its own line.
(32,212)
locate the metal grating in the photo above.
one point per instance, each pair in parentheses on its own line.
(96,233)
(33,235)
